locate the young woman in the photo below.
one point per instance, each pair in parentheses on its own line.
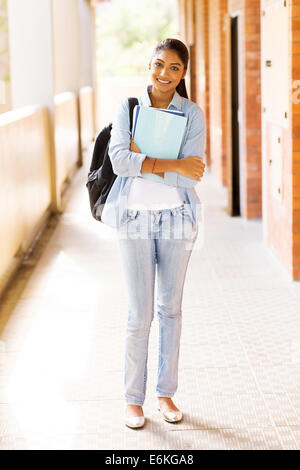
(157,227)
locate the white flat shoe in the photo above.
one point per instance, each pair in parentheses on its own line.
(171,416)
(135,421)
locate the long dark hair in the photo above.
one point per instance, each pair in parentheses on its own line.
(183,54)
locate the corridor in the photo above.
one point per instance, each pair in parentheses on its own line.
(62,326)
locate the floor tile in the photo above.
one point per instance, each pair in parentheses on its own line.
(62,335)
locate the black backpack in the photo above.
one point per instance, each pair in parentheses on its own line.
(101,176)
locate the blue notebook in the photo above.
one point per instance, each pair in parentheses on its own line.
(158,133)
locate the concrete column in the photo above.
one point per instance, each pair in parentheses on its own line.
(66,45)
(86,26)
(31,52)
(32,64)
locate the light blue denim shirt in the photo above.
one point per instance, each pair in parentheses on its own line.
(126,164)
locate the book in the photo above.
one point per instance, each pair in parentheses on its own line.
(158,133)
(137,110)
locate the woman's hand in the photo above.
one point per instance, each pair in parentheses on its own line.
(192,167)
(133,146)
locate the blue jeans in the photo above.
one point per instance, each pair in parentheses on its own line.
(162,238)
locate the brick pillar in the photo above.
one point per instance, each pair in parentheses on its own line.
(296,136)
(223,55)
(207,82)
(192,47)
(215,85)
(253,206)
(201,61)
(250,106)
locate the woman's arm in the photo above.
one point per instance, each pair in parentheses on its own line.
(127,161)
(190,167)
(161,165)
(124,162)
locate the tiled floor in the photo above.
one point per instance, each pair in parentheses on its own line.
(62,334)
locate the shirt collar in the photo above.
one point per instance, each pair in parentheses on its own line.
(176,102)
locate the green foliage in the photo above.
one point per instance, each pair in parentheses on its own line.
(127,32)
(3,5)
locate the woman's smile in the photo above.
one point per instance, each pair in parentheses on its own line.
(166,71)
(164,82)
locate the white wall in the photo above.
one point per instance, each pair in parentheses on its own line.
(30,43)
(51,49)
(66,40)
(86,43)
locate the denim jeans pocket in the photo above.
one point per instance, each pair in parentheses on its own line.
(184,224)
(130,214)
(131,224)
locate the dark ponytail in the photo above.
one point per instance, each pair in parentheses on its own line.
(183,53)
(181,89)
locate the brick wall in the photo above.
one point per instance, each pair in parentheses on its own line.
(200,55)
(250,103)
(253,190)
(212,60)
(192,49)
(223,56)
(201,63)
(295,23)
(280,214)
(215,86)
(207,90)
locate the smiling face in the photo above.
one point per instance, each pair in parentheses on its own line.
(166,70)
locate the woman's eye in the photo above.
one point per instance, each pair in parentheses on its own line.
(158,64)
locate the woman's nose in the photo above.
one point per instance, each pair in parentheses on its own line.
(163,73)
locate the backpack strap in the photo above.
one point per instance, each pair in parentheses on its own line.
(132,103)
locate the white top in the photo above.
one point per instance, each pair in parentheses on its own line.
(152,195)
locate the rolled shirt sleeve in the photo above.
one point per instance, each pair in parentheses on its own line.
(194,146)
(124,162)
